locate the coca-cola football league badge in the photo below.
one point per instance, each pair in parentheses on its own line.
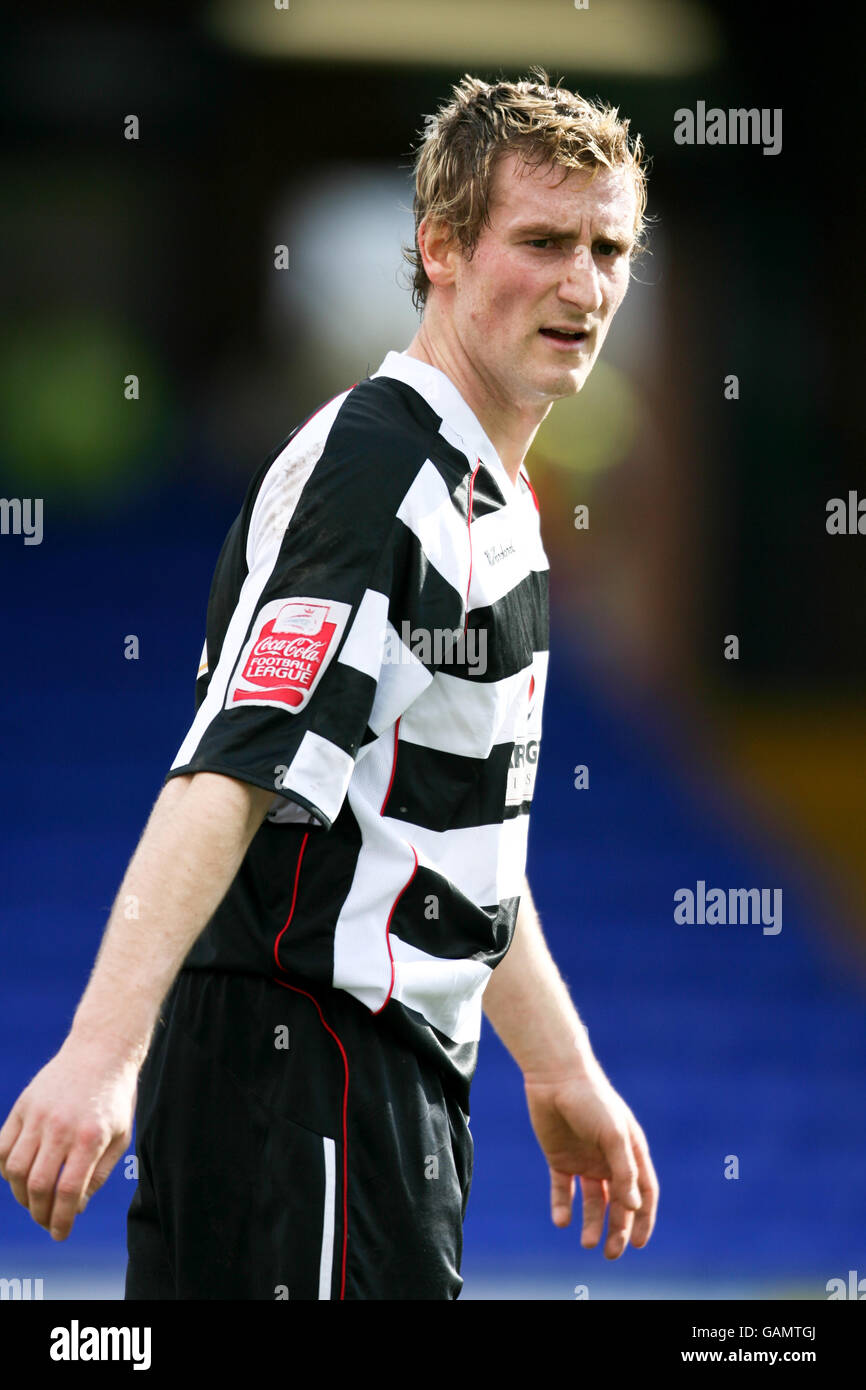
(285,658)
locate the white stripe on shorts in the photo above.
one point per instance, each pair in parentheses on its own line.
(326,1264)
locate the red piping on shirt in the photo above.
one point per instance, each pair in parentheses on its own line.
(322,407)
(294,896)
(394,763)
(388,931)
(525,478)
(393,768)
(330,1030)
(469,529)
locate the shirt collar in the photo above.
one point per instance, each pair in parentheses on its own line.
(442,395)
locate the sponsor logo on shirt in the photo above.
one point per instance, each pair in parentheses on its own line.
(292,642)
(524,754)
(499,552)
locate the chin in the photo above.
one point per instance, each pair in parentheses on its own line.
(567,383)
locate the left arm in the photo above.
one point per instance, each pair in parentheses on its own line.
(583,1126)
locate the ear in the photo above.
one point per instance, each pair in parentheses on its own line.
(439,251)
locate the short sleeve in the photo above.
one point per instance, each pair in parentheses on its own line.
(295,640)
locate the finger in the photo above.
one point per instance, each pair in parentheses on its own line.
(12,1127)
(594,1192)
(45,1172)
(103,1167)
(617,1149)
(561,1197)
(19,1163)
(84,1172)
(619,1224)
(649,1189)
(83,1175)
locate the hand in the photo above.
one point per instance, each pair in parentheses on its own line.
(65,1133)
(585,1128)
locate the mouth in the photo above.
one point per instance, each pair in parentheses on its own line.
(565,337)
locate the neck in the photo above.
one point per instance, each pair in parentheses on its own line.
(510,428)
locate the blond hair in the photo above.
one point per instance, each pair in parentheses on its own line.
(462,142)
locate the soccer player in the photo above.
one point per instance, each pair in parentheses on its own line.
(330,888)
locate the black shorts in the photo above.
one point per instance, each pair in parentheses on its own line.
(289,1147)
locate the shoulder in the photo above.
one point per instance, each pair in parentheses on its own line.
(349,465)
(383,420)
(363,448)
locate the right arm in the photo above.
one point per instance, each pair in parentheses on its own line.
(77,1111)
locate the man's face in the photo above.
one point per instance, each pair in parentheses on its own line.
(555,260)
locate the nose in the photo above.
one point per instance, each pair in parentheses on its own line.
(580,284)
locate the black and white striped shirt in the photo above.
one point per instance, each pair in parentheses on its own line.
(376,652)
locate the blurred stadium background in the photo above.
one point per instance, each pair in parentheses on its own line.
(155,257)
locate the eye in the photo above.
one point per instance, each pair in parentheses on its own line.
(542,242)
(612,248)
